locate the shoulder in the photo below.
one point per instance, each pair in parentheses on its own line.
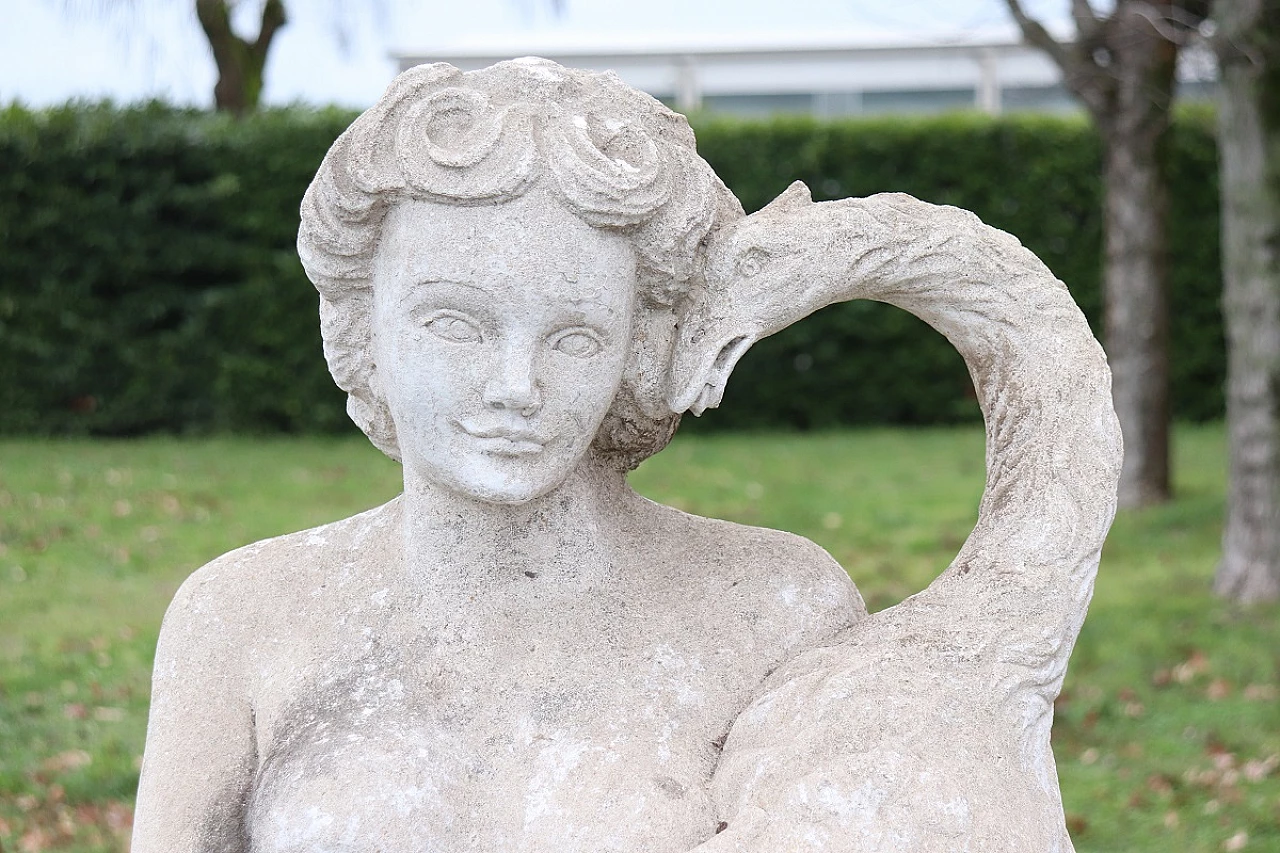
(782,582)
(226,599)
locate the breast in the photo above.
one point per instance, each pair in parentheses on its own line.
(381,758)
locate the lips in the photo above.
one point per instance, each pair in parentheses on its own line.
(505,440)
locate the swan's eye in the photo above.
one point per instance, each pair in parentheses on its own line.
(578,344)
(752,262)
(453,328)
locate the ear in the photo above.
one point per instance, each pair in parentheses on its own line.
(646,371)
(793,197)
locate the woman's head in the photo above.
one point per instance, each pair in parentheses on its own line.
(612,157)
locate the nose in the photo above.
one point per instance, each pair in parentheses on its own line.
(511,385)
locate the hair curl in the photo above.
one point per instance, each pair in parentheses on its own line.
(615,157)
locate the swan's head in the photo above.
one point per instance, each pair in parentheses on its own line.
(755,283)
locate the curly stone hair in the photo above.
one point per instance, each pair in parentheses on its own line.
(616,158)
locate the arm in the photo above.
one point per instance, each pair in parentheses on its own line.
(200,756)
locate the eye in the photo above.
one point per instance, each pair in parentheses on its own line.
(579,344)
(752,262)
(453,328)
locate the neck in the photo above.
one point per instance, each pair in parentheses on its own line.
(458,548)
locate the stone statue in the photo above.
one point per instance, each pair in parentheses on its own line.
(526,273)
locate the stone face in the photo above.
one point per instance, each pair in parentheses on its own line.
(526,273)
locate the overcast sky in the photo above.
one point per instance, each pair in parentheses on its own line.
(338,51)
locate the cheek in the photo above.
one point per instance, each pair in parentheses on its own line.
(424,379)
(584,389)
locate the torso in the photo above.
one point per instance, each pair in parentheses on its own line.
(543,718)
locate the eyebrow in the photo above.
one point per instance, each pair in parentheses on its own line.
(589,311)
(586,305)
(412,294)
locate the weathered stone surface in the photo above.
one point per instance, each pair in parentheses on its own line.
(526,272)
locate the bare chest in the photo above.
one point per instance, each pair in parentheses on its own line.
(585,735)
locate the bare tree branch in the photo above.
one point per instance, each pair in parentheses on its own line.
(1229,33)
(1165,20)
(1082,71)
(215,20)
(1087,20)
(1035,33)
(273,18)
(1189,13)
(240,62)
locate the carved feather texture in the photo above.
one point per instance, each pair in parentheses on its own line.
(927,726)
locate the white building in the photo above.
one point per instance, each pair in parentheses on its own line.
(822,75)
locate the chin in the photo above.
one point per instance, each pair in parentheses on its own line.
(508,493)
(508,482)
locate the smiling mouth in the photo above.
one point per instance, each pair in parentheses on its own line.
(505,441)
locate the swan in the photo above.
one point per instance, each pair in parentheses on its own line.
(924,727)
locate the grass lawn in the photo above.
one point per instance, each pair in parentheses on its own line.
(1167,736)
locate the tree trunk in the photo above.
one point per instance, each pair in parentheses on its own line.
(240,63)
(1130,97)
(1249,143)
(1121,67)
(1136,310)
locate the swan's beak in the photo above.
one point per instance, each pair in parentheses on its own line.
(699,373)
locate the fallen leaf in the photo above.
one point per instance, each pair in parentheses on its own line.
(1261,693)
(1191,667)
(119,817)
(72,759)
(33,841)
(1237,841)
(1256,770)
(1218,689)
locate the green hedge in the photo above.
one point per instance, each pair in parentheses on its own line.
(148,279)
(1037,177)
